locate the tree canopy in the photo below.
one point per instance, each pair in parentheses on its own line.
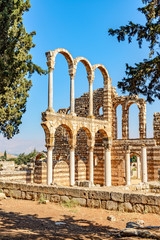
(144,77)
(15,64)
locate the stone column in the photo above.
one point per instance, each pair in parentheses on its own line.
(50,64)
(127,165)
(91,171)
(90,80)
(114,123)
(107,162)
(72,165)
(125,123)
(72,100)
(142,120)
(144,164)
(138,168)
(49,165)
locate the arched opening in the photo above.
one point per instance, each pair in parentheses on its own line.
(99,157)
(133,121)
(118,120)
(82,155)
(61,92)
(61,155)
(135,167)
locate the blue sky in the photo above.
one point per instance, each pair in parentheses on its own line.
(80,26)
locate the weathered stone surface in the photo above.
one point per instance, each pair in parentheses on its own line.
(64,199)
(132,225)
(140,222)
(99,195)
(16,194)
(2,196)
(133,198)
(125,207)
(111,205)
(151,209)
(138,208)
(80,201)
(55,198)
(151,200)
(92,203)
(117,196)
(29,195)
(128,232)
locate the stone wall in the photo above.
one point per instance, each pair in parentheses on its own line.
(96,198)
(156,127)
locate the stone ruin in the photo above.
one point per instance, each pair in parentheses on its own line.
(81,141)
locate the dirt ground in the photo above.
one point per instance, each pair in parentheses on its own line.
(22,219)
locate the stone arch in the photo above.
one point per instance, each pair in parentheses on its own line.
(99,153)
(103,70)
(65,53)
(83,140)
(132,107)
(40,155)
(136,174)
(116,121)
(61,173)
(85,62)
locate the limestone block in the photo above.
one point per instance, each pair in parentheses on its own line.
(152,209)
(6,192)
(103,204)
(80,201)
(29,195)
(84,193)
(125,207)
(133,198)
(151,200)
(35,196)
(2,196)
(119,197)
(74,192)
(64,199)
(55,198)
(99,195)
(61,191)
(16,194)
(111,205)
(138,208)
(92,203)
(23,195)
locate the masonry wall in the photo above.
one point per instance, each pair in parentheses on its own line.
(156,127)
(121,201)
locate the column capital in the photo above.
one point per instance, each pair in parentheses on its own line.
(143,145)
(72,72)
(90,143)
(50,60)
(127,148)
(90,78)
(107,143)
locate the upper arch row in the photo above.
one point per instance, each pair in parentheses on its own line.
(72,63)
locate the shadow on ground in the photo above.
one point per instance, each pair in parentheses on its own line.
(18,226)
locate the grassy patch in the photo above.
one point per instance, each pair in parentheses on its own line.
(70,204)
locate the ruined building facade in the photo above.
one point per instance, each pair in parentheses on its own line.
(82,140)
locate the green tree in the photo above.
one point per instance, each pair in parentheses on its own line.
(144,77)
(25,158)
(15,64)
(5,155)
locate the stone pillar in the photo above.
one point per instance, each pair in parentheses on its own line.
(49,165)
(142,120)
(125,123)
(107,100)
(107,162)
(144,164)
(50,64)
(127,165)
(114,123)
(90,80)
(91,171)
(72,100)
(138,168)
(72,165)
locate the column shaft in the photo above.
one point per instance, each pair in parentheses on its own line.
(144,164)
(107,167)
(90,98)
(91,166)
(138,168)
(72,105)
(72,167)
(50,89)
(128,170)
(49,165)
